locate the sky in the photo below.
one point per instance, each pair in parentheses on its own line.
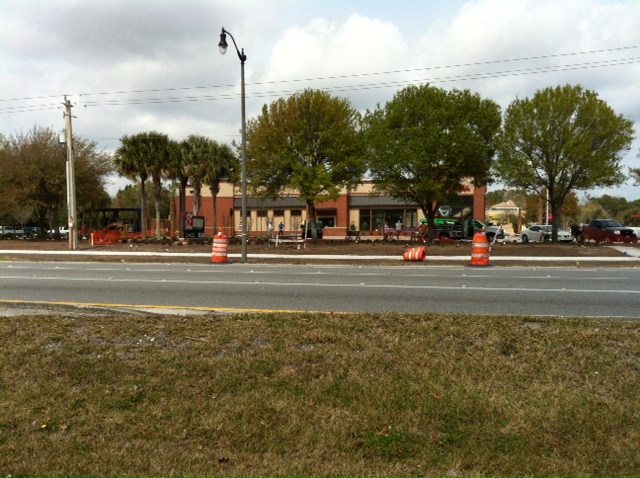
(129,66)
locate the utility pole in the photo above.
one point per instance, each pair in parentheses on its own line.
(71,182)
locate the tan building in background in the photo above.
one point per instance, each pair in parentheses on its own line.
(503,213)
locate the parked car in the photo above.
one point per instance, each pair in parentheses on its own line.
(11,231)
(604,230)
(491,232)
(636,230)
(543,233)
(31,231)
(64,232)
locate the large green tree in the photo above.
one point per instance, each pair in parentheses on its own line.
(310,142)
(635,172)
(618,208)
(563,139)
(7,185)
(427,142)
(33,172)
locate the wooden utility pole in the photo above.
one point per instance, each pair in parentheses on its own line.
(71,182)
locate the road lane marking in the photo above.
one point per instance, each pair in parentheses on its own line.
(317,284)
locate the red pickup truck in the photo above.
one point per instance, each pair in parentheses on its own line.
(605,230)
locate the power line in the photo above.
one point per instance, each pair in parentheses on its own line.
(463,77)
(355,75)
(340,88)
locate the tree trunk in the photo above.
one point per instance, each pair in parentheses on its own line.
(55,222)
(157,201)
(143,211)
(314,222)
(197,197)
(430,212)
(183,205)
(41,215)
(215,189)
(555,210)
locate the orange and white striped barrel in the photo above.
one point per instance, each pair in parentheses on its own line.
(417,254)
(219,252)
(480,250)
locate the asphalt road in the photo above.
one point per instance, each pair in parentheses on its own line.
(556,291)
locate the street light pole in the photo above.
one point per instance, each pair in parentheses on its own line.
(223,49)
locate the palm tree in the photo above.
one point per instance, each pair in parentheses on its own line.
(222,164)
(187,165)
(129,163)
(142,156)
(157,161)
(198,154)
(179,170)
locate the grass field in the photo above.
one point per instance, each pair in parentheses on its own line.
(312,394)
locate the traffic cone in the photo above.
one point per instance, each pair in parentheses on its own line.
(480,250)
(219,252)
(417,254)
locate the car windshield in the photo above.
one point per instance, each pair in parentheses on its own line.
(611,223)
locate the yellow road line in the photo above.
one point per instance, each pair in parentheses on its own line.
(132,306)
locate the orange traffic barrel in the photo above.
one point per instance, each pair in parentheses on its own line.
(219,252)
(480,250)
(417,254)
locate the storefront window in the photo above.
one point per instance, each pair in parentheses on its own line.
(463,209)
(295,219)
(380,218)
(327,221)
(375,219)
(365,220)
(410,218)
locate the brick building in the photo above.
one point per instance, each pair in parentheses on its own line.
(354,210)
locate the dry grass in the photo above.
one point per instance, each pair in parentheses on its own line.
(303,394)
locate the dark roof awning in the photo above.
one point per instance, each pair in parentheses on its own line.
(279,203)
(297,203)
(377,201)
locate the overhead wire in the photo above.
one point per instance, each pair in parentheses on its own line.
(336,88)
(439,67)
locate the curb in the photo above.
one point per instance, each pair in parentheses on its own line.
(631,255)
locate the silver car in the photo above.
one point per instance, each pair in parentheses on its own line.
(636,230)
(542,233)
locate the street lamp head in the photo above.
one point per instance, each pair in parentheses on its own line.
(223,45)
(223,42)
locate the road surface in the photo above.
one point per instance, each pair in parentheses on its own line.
(556,291)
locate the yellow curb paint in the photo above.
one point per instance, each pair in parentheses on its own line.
(132,306)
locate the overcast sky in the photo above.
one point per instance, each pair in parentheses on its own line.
(139,65)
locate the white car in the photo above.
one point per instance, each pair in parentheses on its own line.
(540,233)
(636,230)
(64,232)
